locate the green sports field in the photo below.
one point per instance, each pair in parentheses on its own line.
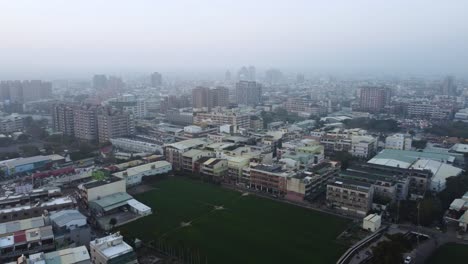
(247,229)
(450,254)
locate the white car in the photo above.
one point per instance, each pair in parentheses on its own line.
(408,260)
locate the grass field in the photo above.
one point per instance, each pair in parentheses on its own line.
(450,254)
(248,230)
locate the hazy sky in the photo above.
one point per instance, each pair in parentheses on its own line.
(66,37)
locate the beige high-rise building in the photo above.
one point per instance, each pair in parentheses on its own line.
(248,93)
(63,119)
(113,123)
(374,99)
(208,98)
(85,122)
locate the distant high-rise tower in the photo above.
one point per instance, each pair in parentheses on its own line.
(205,97)
(156,79)
(449,87)
(374,99)
(220,96)
(227,76)
(248,93)
(300,78)
(252,73)
(273,76)
(100,82)
(200,97)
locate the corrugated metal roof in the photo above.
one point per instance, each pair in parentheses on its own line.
(62,218)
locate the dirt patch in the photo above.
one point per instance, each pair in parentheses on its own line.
(140,189)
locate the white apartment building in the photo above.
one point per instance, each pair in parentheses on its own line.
(111,249)
(363,146)
(398,141)
(11,123)
(138,146)
(134,175)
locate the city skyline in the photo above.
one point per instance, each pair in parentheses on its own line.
(51,39)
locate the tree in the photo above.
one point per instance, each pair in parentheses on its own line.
(455,187)
(29,150)
(98,175)
(419,144)
(391,251)
(113,222)
(378,125)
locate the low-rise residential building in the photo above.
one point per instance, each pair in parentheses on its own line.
(398,141)
(214,168)
(310,183)
(350,196)
(363,146)
(34,208)
(75,255)
(96,189)
(11,123)
(118,206)
(270,178)
(111,249)
(223,118)
(190,158)
(436,163)
(388,185)
(133,175)
(133,145)
(174,152)
(372,222)
(33,240)
(70,226)
(431,111)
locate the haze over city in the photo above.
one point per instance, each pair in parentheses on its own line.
(56,39)
(206,132)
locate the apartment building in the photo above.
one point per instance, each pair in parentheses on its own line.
(11,123)
(28,241)
(214,168)
(248,93)
(374,99)
(428,110)
(174,152)
(223,118)
(270,178)
(63,119)
(113,123)
(398,141)
(85,122)
(133,176)
(354,197)
(111,249)
(311,183)
(363,146)
(190,158)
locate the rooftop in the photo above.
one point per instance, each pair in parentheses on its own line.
(111,246)
(359,184)
(186,144)
(112,201)
(62,218)
(143,168)
(68,255)
(14,226)
(95,184)
(407,158)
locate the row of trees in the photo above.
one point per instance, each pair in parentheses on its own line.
(377,125)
